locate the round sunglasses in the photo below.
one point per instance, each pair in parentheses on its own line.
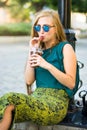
(46,28)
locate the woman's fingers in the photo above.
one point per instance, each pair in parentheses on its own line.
(35,42)
(35,60)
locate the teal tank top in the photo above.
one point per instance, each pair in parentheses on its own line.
(43,77)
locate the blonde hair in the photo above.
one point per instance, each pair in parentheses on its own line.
(60,35)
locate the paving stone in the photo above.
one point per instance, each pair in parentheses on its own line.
(31,126)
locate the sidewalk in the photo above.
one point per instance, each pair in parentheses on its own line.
(14,39)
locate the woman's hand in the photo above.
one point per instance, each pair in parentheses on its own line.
(37,60)
(35,42)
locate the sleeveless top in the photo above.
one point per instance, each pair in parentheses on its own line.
(43,77)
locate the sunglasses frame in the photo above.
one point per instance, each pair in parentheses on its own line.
(45,27)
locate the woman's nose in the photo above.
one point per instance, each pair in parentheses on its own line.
(41,31)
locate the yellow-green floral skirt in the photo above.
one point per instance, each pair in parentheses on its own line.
(46,106)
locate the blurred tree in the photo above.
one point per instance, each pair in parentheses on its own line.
(21,9)
(3,3)
(79,6)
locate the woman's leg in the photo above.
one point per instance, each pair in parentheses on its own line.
(45,106)
(19,100)
(7,118)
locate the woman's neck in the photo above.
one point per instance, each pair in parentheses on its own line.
(50,44)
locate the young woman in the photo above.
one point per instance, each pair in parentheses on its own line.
(54,72)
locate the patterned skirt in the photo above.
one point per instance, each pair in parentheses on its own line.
(46,106)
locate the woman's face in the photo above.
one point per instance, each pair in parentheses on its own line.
(48,35)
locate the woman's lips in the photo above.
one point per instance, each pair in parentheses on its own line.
(41,38)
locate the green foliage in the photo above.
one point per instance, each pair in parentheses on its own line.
(20,9)
(22,2)
(79,6)
(15,29)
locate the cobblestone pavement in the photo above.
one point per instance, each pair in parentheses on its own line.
(13,55)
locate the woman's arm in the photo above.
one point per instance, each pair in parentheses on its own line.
(29,69)
(68,78)
(29,72)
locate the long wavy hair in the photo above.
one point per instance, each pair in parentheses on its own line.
(60,34)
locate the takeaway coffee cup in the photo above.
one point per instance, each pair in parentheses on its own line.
(35,50)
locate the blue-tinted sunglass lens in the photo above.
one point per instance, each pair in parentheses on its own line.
(46,28)
(37,28)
